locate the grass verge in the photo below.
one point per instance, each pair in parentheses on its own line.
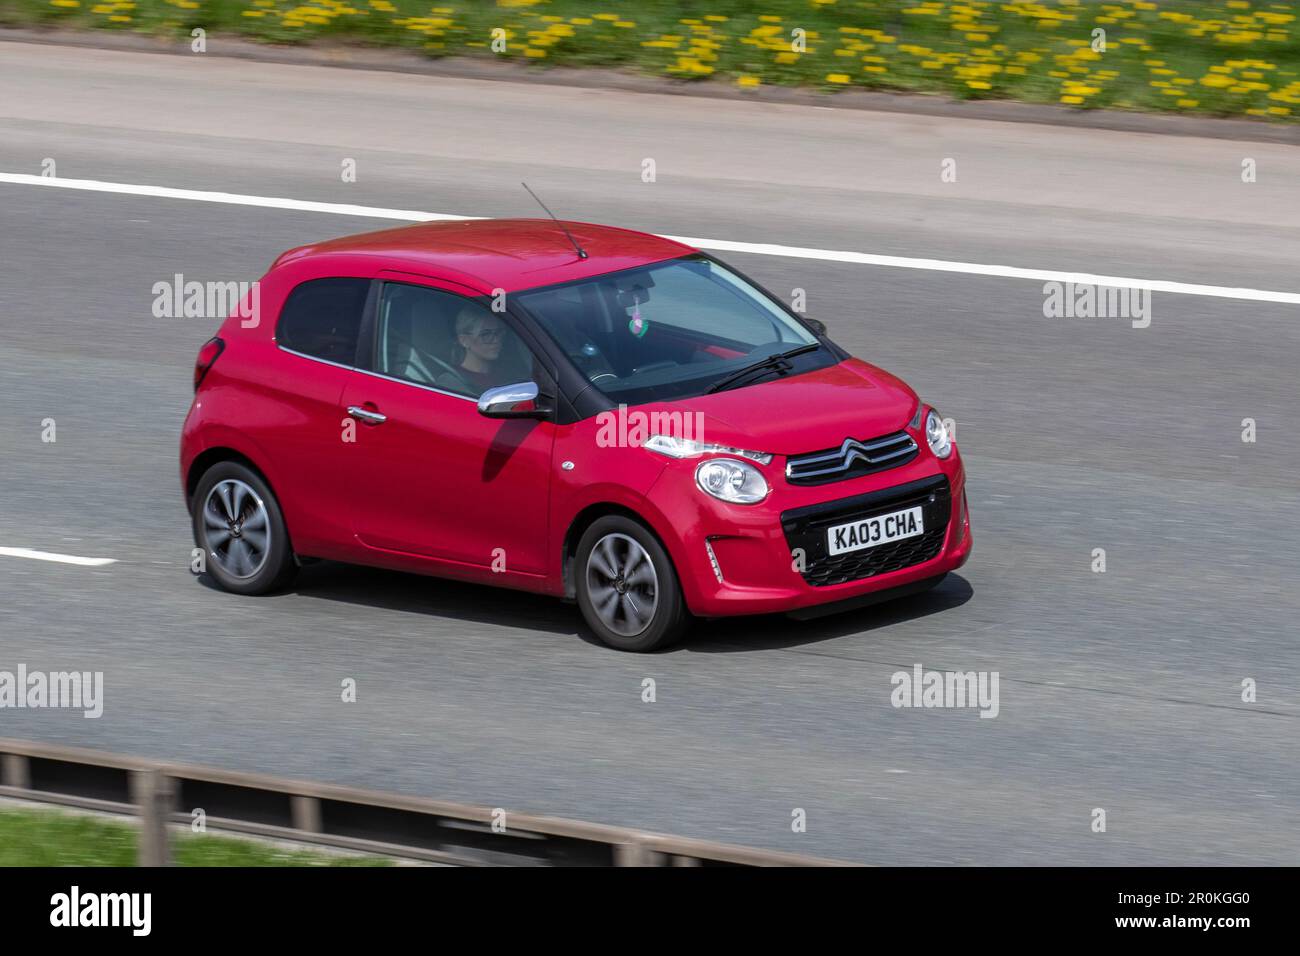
(1220,57)
(54,838)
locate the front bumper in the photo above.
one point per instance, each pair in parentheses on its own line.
(772,557)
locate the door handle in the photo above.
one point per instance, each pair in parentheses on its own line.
(366,415)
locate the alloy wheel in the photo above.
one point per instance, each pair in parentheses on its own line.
(237,528)
(622,584)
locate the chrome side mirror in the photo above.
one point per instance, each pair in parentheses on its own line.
(505,401)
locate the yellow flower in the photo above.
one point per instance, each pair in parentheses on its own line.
(837,78)
(689,64)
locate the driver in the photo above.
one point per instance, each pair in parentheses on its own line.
(480,335)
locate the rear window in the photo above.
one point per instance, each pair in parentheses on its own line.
(322,318)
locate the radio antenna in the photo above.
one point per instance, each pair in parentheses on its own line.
(582,253)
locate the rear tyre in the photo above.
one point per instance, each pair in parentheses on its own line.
(238,524)
(627,587)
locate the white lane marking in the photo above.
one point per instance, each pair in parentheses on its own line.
(714,245)
(234,199)
(60,558)
(1009,272)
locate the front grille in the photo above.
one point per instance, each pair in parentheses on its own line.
(805,529)
(852,459)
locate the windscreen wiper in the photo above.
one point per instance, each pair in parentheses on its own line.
(774,363)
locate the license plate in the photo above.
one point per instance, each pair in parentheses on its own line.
(870,532)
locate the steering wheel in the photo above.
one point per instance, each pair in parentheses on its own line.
(431,359)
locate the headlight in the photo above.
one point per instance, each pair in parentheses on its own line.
(730,480)
(936,433)
(685,448)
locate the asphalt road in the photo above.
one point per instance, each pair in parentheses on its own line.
(1119,690)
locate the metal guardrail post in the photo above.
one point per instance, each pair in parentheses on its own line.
(154,795)
(15,771)
(305,813)
(636,854)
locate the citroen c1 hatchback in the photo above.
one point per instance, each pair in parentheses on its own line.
(601,415)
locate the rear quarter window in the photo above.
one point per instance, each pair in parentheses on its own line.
(322,318)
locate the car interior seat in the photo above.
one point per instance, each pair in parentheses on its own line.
(414,332)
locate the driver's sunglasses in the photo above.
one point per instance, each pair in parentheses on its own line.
(488,336)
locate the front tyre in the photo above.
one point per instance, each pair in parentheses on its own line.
(627,587)
(238,524)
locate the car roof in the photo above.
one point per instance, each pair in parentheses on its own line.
(510,254)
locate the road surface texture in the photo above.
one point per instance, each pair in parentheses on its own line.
(1119,690)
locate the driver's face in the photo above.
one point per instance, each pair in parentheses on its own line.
(484,341)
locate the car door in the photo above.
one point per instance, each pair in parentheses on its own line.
(296,420)
(432,477)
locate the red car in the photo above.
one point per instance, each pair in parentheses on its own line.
(582,411)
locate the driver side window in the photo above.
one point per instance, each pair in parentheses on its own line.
(445,341)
